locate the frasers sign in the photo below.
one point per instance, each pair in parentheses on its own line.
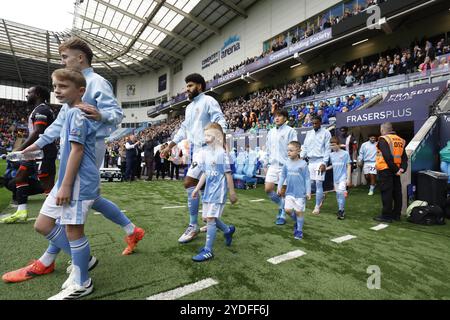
(231,45)
(409,104)
(386,116)
(398,97)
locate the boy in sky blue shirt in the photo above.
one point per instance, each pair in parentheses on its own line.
(341,164)
(74,192)
(295,173)
(214,163)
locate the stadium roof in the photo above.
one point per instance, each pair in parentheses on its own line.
(128,37)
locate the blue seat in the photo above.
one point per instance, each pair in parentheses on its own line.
(240,165)
(251,165)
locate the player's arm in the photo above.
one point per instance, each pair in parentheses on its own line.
(216,115)
(304,148)
(361,156)
(308,184)
(200,184)
(51,133)
(108,109)
(38,130)
(179,136)
(349,174)
(73,164)
(326,155)
(233,197)
(281,180)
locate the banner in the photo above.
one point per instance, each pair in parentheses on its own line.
(410,104)
(162,82)
(274,57)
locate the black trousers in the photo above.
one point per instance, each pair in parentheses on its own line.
(130,169)
(391,193)
(149,165)
(174,168)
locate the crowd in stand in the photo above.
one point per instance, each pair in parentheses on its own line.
(299,34)
(13,123)
(253,112)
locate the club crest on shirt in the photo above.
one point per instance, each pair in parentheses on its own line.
(75,132)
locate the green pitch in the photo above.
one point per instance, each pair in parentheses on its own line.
(413,259)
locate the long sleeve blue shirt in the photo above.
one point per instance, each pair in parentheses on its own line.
(201,111)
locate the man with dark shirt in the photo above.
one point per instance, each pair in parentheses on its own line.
(391,163)
(149,156)
(34,177)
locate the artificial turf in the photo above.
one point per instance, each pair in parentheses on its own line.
(413,259)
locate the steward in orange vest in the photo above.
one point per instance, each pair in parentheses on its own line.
(391,162)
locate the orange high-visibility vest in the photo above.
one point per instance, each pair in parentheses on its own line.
(396,145)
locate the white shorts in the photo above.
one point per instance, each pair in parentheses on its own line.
(273,174)
(212,210)
(314,172)
(75,213)
(341,186)
(194,170)
(297,204)
(369,168)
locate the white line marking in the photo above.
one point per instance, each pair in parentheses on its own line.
(381,226)
(287,256)
(344,238)
(183,291)
(123,211)
(174,207)
(257,200)
(96,213)
(32,219)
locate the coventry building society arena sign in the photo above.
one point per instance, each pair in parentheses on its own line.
(231,45)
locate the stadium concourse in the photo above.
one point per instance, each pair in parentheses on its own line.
(353,65)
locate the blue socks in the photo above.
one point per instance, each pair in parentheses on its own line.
(319,192)
(110,211)
(281,209)
(340,200)
(81,253)
(274,197)
(222,226)
(300,221)
(193,206)
(58,238)
(52,249)
(210,234)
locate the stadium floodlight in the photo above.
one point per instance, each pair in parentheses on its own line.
(359,42)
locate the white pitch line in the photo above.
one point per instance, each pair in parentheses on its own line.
(257,200)
(344,238)
(183,291)
(381,226)
(174,207)
(96,213)
(32,219)
(287,256)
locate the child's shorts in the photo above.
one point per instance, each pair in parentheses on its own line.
(340,187)
(314,171)
(369,168)
(212,210)
(297,204)
(75,213)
